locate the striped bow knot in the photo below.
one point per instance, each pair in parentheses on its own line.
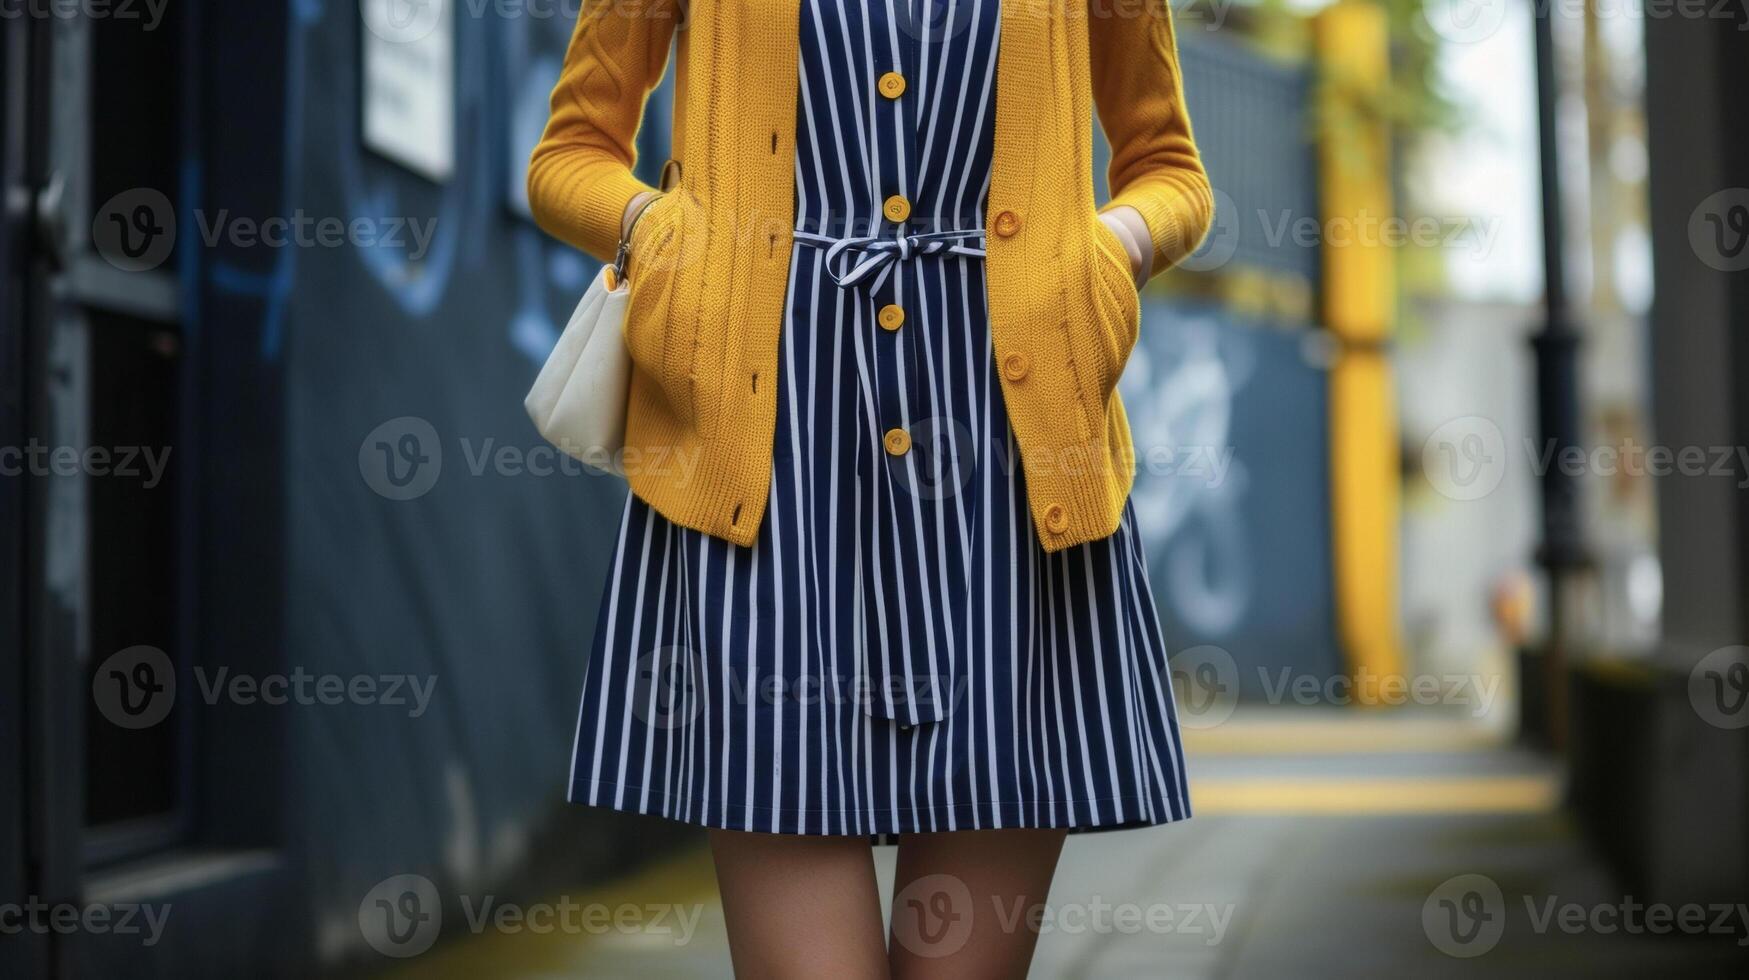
(850,261)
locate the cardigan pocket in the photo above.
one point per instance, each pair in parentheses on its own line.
(656,250)
(1116,305)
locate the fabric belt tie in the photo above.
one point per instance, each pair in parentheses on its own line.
(851,261)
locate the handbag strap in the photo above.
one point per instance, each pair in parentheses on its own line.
(624,252)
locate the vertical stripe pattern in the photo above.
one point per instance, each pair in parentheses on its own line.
(896,652)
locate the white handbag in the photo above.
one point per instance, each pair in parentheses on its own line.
(578,402)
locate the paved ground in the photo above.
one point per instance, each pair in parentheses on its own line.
(1326,844)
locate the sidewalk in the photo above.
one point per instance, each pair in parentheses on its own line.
(1326,844)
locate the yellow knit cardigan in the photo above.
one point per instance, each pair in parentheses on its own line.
(711,258)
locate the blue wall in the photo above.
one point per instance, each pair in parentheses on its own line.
(366,495)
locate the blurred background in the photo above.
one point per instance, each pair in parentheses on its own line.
(1444,437)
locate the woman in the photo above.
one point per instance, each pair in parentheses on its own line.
(879,577)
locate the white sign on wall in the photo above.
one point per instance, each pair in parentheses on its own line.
(409,83)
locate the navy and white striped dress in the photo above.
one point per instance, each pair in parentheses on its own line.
(896,652)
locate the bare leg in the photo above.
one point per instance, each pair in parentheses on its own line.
(963,901)
(800,907)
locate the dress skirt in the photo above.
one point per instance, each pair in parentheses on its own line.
(896,652)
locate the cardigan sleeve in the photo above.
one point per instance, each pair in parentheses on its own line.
(580,175)
(1140,96)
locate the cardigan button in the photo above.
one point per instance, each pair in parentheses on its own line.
(1056,519)
(898,442)
(892,316)
(1007,223)
(892,85)
(1015,366)
(897,208)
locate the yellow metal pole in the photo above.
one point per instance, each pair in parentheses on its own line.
(1351,42)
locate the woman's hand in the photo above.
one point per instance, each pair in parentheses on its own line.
(1132,229)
